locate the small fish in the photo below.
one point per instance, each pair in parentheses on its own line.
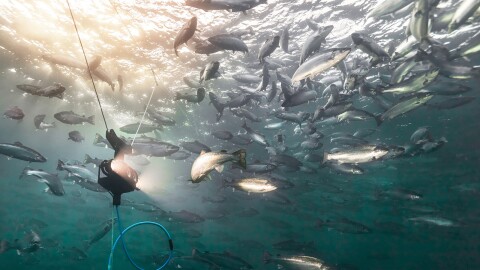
(186,33)
(356,155)
(268,48)
(71,118)
(253,185)
(14,113)
(51,180)
(75,136)
(320,63)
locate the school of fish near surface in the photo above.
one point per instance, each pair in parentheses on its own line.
(267,134)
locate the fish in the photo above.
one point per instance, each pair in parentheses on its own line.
(403,107)
(356,155)
(370,47)
(208,161)
(19,151)
(243,113)
(120,83)
(194,98)
(451,103)
(14,113)
(153,148)
(319,63)
(101,74)
(292,117)
(80,172)
(404,48)
(246,78)
(265,78)
(414,84)
(139,128)
(386,7)
(195,147)
(99,140)
(75,136)
(286,160)
(55,90)
(160,118)
(39,124)
(191,83)
(184,216)
(314,41)
(345,168)
(89,160)
(71,118)
(464,11)
(210,71)
(186,33)
(419,19)
(273,92)
(104,228)
(255,136)
(299,98)
(221,260)
(222,135)
(206,48)
(33,242)
(268,48)
(54,183)
(228,42)
(253,185)
(300,262)
(284,38)
(344,225)
(179,155)
(434,220)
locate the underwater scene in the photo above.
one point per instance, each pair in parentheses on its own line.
(240,134)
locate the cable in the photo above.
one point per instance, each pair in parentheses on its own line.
(123,232)
(143,116)
(88,66)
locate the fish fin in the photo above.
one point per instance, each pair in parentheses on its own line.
(87,159)
(91,119)
(219,168)
(267,257)
(241,155)
(203,152)
(378,119)
(60,165)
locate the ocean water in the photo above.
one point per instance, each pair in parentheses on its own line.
(405,211)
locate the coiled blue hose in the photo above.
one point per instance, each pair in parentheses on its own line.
(120,237)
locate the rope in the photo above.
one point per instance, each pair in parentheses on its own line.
(123,232)
(88,66)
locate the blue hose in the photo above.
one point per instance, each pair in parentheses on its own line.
(120,237)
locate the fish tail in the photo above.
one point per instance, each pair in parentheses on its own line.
(325,157)
(98,138)
(60,165)
(378,119)
(91,119)
(267,257)
(24,172)
(175,49)
(88,159)
(241,155)
(59,96)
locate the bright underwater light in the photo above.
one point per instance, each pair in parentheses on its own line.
(119,178)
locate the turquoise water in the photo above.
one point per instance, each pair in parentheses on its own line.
(368,221)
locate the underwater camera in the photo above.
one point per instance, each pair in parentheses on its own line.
(119,178)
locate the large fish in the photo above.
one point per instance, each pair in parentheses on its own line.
(268,48)
(356,155)
(195,147)
(253,185)
(313,42)
(419,20)
(19,151)
(255,136)
(186,33)
(370,47)
(51,180)
(14,113)
(55,90)
(104,228)
(194,98)
(208,161)
(39,124)
(387,7)
(404,107)
(144,128)
(299,98)
(464,11)
(299,262)
(221,260)
(229,42)
(414,84)
(319,63)
(71,118)
(159,117)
